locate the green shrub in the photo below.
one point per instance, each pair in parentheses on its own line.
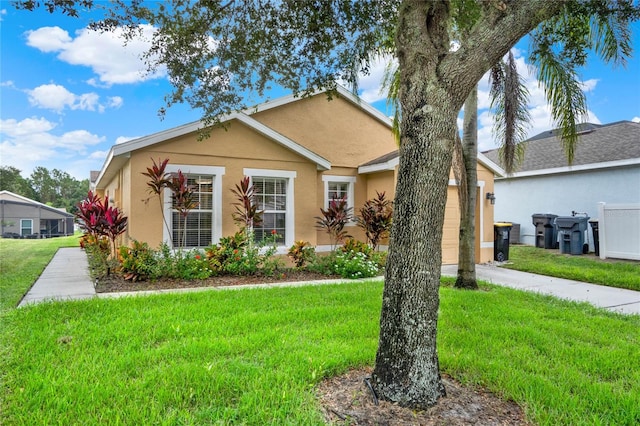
(227,251)
(323,264)
(354,246)
(98,251)
(301,253)
(192,265)
(240,255)
(139,262)
(380,258)
(165,262)
(355,265)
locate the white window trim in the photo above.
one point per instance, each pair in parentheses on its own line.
(216,211)
(290,175)
(351,180)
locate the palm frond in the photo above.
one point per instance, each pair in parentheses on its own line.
(509,99)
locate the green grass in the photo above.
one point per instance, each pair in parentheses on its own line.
(22,262)
(612,273)
(254,356)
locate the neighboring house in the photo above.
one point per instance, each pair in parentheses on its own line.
(22,217)
(299,153)
(606,168)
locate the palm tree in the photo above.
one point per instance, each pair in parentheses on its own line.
(559,48)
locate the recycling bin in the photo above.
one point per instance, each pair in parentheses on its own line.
(571,233)
(514,234)
(501,241)
(546,233)
(596,235)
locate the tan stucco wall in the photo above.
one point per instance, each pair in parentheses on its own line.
(336,130)
(485,254)
(385,181)
(381,182)
(234,149)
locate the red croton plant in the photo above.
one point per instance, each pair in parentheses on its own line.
(99,220)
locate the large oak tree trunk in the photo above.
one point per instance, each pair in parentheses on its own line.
(407,362)
(434,82)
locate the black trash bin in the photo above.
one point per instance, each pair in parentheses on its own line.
(546,233)
(571,232)
(596,235)
(501,241)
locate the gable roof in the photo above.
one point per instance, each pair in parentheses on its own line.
(599,146)
(118,154)
(391,160)
(10,197)
(341,92)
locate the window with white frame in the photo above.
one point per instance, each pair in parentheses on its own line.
(274,197)
(337,187)
(202,225)
(196,229)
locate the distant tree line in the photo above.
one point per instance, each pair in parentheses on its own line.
(55,188)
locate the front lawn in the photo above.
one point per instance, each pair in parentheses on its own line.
(589,269)
(254,356)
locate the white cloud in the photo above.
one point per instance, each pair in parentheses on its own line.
(115,102)
(51,96)
(105,53)
(589,85)
(48,39)
(2,13)
(98,155)
(636,119)
(57,98)
(30,142)
(370,86)
(14,128)
(123,139)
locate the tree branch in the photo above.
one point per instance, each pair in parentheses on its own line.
(497,30)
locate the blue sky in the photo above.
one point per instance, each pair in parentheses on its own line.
(67,94)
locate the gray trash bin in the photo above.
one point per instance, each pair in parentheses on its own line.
(571,233)
(546,233)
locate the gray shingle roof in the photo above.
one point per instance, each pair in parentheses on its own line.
(382,159)
(597,143)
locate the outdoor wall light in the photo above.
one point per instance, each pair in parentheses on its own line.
(491,197)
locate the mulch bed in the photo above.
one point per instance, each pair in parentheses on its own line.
(116,283)
(346,400)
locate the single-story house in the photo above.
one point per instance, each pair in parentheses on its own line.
(22,217)
(606,168)
(299,154)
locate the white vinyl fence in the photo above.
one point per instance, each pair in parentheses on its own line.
(619,231)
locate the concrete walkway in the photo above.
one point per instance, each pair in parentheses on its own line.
(614,299)
(67,278)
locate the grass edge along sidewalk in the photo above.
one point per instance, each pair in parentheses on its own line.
(22,262)
(588,269)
